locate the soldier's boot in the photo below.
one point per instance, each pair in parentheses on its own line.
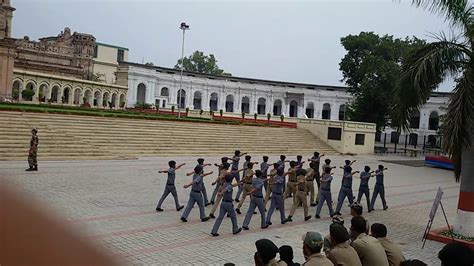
(29,169)
(36,168)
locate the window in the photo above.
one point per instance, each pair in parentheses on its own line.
(157,102)
(164,104)
(96,51)
(334,133)
(360,139)
(120,55)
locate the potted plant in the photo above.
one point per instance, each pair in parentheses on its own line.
(172,109)
(268,117)
(104,102)
(187,111)
(255,116)
(282,117)
(221,112)
(243,115)
(200,112)
(211,113)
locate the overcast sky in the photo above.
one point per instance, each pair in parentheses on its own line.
(296,41)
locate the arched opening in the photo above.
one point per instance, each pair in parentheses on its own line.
(197,101)
(181,98)
(309,110)
(141,93)
(432,140)
(97,98)
(433,122)
(293,109)
(42,93)
(77,96)
(164,92)
(213,101)
(415,120)
(114,100)
(122,100)
(29,92)
(229,103)
(245,106)
(394,136)
(413,139)
(54,94)
(16,89)
(261,106)
(277,108)
(326,114)
(106,100)
(66,95)
(342,112)
(87,97)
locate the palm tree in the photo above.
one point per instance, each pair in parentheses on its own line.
(427,68)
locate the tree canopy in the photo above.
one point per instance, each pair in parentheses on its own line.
(371,69)
(201,63)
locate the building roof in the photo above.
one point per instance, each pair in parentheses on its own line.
(112,46)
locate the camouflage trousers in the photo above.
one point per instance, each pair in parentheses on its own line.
(32,159)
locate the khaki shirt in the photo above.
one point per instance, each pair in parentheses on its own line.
(393,251)
(301,183)
(309,174)
(370,250)
(343,254)
(273,262)
(292,175)
(248,174)
(318,259)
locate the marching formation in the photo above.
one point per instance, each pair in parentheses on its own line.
(271,183)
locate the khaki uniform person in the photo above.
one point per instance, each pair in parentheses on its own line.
(310,175)
(220,181)
(32,154)
(291,184)
(269,190)
(247,185)
(300,196)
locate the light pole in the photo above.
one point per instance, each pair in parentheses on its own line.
(183,27)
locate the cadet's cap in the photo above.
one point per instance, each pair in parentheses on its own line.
(266,249)
(338,219)
(313,239)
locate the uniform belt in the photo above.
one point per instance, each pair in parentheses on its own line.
(227,200)
(292,180)
(170,184)
(302,190)
(347,187)
(378,184)
(197,191)
(260,197)
(279,194)
(325,189)
(364,186)
(309,179)
(248,183)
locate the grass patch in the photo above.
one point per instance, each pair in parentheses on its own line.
(457,236)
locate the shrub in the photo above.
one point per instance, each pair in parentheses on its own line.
(172,108)
(255,116)
(187,111)
(141,105)
(243,115)
(282,117)
(15,94)
(27,94)
(201,111)
(122,104)
(84,99)
(221,112)
(269,116)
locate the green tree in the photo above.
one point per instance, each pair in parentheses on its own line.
(201,63)
(447,57)
(371,68)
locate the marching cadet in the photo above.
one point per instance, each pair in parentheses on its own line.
(346,188)
(264,168)
(220,181)
(310,176)
(299,162)
(291,184)
(316,159)
(235,167)
(327,164)
(281,164)
(277,197)
(170,186)
(247,185)
(204,191)
(300,196)
(272,174)
(195,196)
(247,160)
(325,196)
(219,168)
(364,185)
(379,188)
(227,207)
(256,200)
(33,152)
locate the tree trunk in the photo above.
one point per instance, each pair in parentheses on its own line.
(464,222)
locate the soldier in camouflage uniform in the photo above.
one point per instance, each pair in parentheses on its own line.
(32,160)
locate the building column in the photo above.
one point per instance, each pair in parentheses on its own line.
(7,57)
(335,111)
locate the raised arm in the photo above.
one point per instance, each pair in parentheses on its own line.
(206,174)
(356,172)
(207,164)
(352,162)
(188,185)
(163,171)
(190,173)
(179,166)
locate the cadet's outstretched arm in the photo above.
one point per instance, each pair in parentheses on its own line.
(179,166)
(206,174)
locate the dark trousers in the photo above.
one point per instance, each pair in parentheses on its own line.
(194,197)
(364,191)
(276,202)
(325,196)
(343,193)
(169,189)
(254,203)
(378,189)
(32,160)
(226,208)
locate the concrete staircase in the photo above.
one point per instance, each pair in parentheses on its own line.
(69,137)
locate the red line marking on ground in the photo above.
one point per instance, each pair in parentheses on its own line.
(131,214)
(228,235)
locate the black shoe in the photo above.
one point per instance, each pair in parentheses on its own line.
(159,209)
(269,223)
(338,213)
(277,209)
(214,234)
(212,202)
(29,169)
(36,168)
(284,222)
(180,208)
(183,219)
(238,211)
(238,231)
(237,200)
(289,219)
(371,210)
(212,216)
(205,219)
(317,202)
(314,204)
(317,216)
(245,228)
(307,218)
(385,208)
(228,215)
(265,226)
(207,204)
(254,212)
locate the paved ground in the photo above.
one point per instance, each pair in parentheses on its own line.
(113,203)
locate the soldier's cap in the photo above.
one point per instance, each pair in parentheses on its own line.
(200,160)
(35,130)
(313,239)
(266,249)
(338,219)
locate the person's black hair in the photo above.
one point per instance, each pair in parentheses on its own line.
(292,164)
(314,250)
(327,161)
(224,159)
(229,178)
(265,158)
(327,170)
(237,153)
(250,165)
(358,209)
(225,165)
(299,157)
(301,172)
(172,164)
(413,263)
(456,254)
(200,160)
(198,169)
(248,157)
(367,168)
(258,173)
(381,167)
(378,230)
(347,162)
(282,157)
(229,264)
(316,154)
(280,172)
(276,165)
(339,233)
(312,164)
(358,224)
(286,254)
(348,169)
